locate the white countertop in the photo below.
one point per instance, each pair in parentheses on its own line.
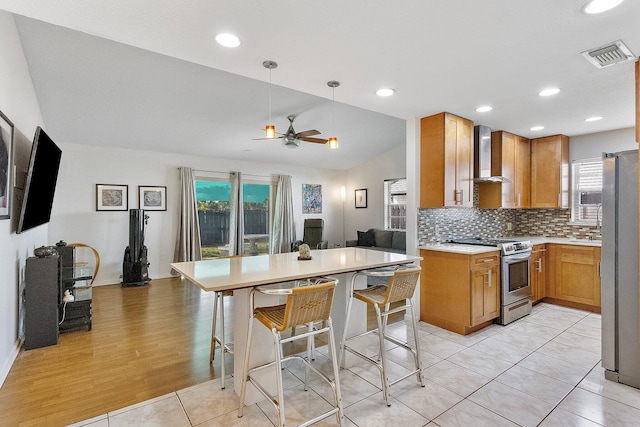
(236,273)
(536,240)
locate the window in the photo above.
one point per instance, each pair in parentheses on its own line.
(395,204)
(213,194)
(586,200)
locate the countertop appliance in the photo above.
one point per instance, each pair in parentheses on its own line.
(619,268)
(515,295)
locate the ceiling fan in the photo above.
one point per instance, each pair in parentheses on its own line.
(291,139)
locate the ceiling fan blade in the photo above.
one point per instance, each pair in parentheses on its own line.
(261,139)
(316,140)
(306,133)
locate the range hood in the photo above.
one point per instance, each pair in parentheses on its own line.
(482,156)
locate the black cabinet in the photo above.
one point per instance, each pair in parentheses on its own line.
(46,311)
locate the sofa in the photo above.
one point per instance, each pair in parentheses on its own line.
(381,240)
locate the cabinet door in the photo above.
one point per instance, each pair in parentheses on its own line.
(550,172)
(485,296)
(538,273)
(464,163)
(451,195)
(577,280)
(523,172)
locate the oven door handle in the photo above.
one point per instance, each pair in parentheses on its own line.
(510,259)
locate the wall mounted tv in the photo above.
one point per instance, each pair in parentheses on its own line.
(41,180)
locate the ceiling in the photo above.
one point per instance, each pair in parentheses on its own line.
(122,73)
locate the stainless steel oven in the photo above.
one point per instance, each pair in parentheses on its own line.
(516,289)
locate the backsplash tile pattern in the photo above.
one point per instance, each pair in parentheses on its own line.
(472,222)
(463,222)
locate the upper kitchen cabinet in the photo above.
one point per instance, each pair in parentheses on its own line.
(446,161)
(550,172)
(511,160)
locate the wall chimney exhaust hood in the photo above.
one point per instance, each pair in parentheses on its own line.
(482,156)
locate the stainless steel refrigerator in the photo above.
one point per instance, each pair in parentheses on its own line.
(619,268)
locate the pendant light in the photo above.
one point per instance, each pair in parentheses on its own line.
(269,129)
(333,141)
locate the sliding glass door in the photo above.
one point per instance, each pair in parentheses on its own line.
(213,196)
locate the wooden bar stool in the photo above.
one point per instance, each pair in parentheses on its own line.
(401,286)
(305,305)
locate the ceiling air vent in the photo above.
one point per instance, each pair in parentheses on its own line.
(609,54)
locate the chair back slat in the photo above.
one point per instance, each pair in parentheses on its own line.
(309,304)
(402,285)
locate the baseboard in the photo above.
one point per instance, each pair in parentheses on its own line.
(9,362)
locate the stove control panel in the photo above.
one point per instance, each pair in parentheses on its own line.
(515,247)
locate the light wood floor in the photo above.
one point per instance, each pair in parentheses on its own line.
(145,342)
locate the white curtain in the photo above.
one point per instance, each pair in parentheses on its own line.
(283,227)
(236,221)
(188,246)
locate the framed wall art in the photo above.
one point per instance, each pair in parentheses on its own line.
(112,197)
(6,166)
(311,198)
(152,198)
(361,198)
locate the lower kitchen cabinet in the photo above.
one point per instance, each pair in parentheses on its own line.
(574,275)
(459,292)
(538,272)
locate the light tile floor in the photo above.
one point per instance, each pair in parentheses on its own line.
(542,370)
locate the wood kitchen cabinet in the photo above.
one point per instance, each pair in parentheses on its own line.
(538,272)
(446,161)
(550,172)
(459,292)
(574,275)
(510,159)
(512,155)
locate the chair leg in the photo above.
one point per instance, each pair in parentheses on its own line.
(277,347)
(213,327)
(383,357)
(245,368)
(336,374)
(418,357)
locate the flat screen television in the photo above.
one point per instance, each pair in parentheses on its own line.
(40,185)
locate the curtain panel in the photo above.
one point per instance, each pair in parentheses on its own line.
(283,227)
(188,247)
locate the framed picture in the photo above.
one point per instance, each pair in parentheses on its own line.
(6,166)
(361,198)
(152,198)
(311,198)
(112,197)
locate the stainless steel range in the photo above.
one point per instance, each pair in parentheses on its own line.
(515,297)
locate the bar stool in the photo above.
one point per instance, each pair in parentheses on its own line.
(401,286)
(305,305)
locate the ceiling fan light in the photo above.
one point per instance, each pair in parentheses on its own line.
(270,131)
(333,143)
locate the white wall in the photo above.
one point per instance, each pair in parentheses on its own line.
(371,175)
(19,103)
(592,145)
(75,219)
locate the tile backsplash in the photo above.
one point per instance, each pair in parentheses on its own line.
(440,225)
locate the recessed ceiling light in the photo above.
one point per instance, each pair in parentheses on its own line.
(599,6)
(227,40)
(536,128)
(484,108)
(593,119)
(549,92)
(385,92)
